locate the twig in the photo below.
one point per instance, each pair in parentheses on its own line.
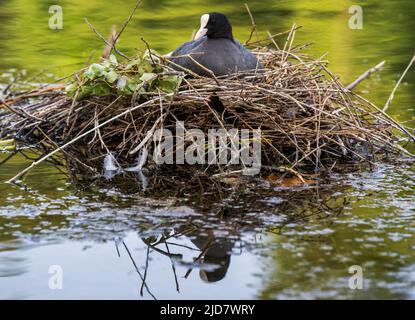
(365,75)
(205,69)
(172,266)
(397,84)
(253,25)
(138,271)
(201,254)
(149,51)
(259,42)
(126,24)
(81,136)
(106,42)
(108,49)
(145,271)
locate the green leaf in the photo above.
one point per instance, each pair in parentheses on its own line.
(106,64)
(170,84)
(71,89)
(94,71)
(151,55)
(144,67)
(113,59)
(111,76)
(126,85)
(133,63)
(101,89)
(84,91)
(137,76)
(148,77)
(132,86)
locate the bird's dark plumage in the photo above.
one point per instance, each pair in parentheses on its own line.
(215,49)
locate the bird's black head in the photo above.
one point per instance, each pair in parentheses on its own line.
(215,25)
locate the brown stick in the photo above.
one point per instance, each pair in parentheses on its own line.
(253,25)
(397,84)
(79,137)
(106,42)
(365,75)
(126,23)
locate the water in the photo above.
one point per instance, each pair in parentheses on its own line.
(272,243)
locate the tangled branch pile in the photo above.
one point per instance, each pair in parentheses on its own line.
(307,118)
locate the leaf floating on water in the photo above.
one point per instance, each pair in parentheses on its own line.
(292,182)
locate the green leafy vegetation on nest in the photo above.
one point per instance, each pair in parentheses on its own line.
(139,76)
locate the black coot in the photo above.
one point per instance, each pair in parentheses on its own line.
(215,48)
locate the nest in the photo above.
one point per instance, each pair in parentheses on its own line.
(308,120)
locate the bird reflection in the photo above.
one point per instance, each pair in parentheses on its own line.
(216,252)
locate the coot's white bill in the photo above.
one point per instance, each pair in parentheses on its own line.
(203,30)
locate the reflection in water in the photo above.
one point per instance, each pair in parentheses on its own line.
(215,252)
(372,233)
(262,240)
(12,266)
(205,234)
